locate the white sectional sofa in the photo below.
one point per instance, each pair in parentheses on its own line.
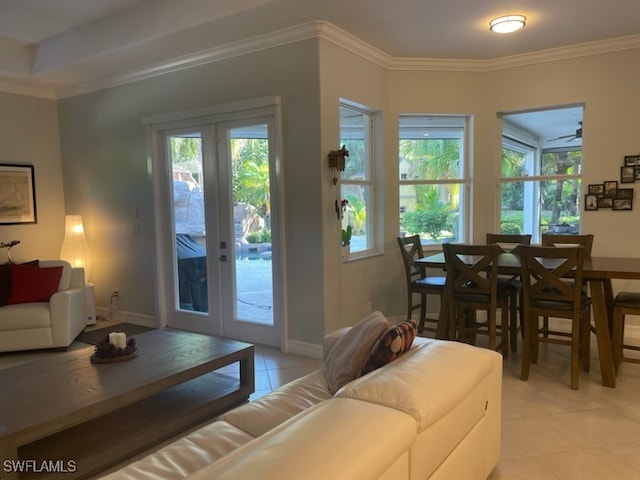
(432,413)
(52,324)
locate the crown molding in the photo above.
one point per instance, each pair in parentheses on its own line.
(282,37)
(27,90)
(331,33)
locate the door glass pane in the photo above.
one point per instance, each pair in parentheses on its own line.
(185,153)
(252,224)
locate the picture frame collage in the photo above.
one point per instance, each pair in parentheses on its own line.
(609,194)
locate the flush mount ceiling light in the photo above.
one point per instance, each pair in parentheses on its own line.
(507,24)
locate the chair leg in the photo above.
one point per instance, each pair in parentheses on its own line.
(617,337)
(585,343)
(535,331)
(513,329)
(576,336)
(527,332)
(423,312)
(505,332)
(545,327)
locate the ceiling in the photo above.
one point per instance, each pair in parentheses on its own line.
(55,45)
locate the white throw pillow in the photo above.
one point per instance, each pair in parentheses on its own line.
(348,353)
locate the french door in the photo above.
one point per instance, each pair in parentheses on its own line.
(220,259)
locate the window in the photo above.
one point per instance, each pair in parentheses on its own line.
(357,182)
(433,177)
(540,184)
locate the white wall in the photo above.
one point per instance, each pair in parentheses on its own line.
(104,159)
(107,174)
(29,136)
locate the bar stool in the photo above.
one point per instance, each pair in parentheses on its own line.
(625,303)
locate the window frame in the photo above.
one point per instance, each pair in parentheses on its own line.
(513,141)
(447,122)
(368,183)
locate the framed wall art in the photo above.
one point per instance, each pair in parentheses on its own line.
(632,160)
(628,174)
(622,204)
(596,189)
(590,201)
(17,194)
(605,202)
(610,187)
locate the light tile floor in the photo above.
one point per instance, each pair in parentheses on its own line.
(549,432)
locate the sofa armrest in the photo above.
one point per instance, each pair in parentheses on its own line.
(77,278)
(68,316)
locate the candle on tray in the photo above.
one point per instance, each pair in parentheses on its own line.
(118,339)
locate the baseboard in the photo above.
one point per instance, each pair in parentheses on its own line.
(304,348)
(127,317)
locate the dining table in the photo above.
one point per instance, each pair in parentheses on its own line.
(597,271)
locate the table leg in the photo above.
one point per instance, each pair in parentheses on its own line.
(247,372)
(603,334)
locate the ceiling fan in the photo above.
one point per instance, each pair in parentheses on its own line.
(571,137)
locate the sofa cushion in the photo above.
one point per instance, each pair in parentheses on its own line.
(393,343)
(24,316)
(186,455)
(5,280)
(33,284)
(339,439)
(435,391)
(344,359)
(266,413)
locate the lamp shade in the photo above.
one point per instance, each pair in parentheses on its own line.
(75,248)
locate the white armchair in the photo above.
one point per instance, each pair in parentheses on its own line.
(52,324)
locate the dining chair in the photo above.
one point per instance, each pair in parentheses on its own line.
(472,285)
(508,242)
(562,240)
(417,280)
(548,292)
(511,243)
(625,303)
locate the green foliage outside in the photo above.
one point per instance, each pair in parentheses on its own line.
(356,213)
(432,217)
(507,228)
(250,171)
(259,237)
(559,196)
(436,206)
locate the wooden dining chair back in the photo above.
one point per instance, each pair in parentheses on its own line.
(510,240)
(418,282)
(552,287)
(560,240)
(512,243)
(625,303)
(472,285)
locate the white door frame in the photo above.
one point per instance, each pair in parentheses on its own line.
(160,173)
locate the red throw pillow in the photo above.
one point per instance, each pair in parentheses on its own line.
(5,280)
(393,343)
(33,284)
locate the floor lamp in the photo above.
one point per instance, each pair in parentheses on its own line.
(75,250)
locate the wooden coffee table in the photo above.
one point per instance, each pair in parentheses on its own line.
(80,417)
